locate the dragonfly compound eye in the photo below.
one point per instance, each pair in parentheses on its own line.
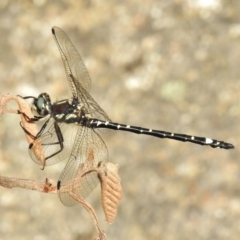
(41,105)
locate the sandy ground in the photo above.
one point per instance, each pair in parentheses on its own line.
(168,65)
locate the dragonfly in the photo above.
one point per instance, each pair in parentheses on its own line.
(72,126)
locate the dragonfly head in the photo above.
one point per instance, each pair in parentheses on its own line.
(42,104)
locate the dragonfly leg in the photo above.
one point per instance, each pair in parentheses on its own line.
(26,131)
(27,118)
(60,141)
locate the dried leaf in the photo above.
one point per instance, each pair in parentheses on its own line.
(111,189)
(31,127)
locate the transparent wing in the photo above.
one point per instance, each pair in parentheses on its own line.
(50,144)
(90,104)
(78,175)
(77,74)
(71,59)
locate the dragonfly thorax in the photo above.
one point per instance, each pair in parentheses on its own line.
(68,111)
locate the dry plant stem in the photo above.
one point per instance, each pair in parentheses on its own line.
(88,207)
(111,189)
(46,186)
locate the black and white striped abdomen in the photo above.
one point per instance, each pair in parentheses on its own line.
(95,123)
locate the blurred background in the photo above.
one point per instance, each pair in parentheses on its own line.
(168,65)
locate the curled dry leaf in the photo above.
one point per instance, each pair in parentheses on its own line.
(30,127)
(111,189)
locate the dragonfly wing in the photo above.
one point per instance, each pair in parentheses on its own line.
(54,149)
(77,74)
(92,107)
(79,175)
(71,60)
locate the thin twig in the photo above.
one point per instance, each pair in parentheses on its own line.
(45,187)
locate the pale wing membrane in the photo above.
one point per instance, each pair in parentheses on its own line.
(72,61)
(50,144)
(93,108)
(89,149)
